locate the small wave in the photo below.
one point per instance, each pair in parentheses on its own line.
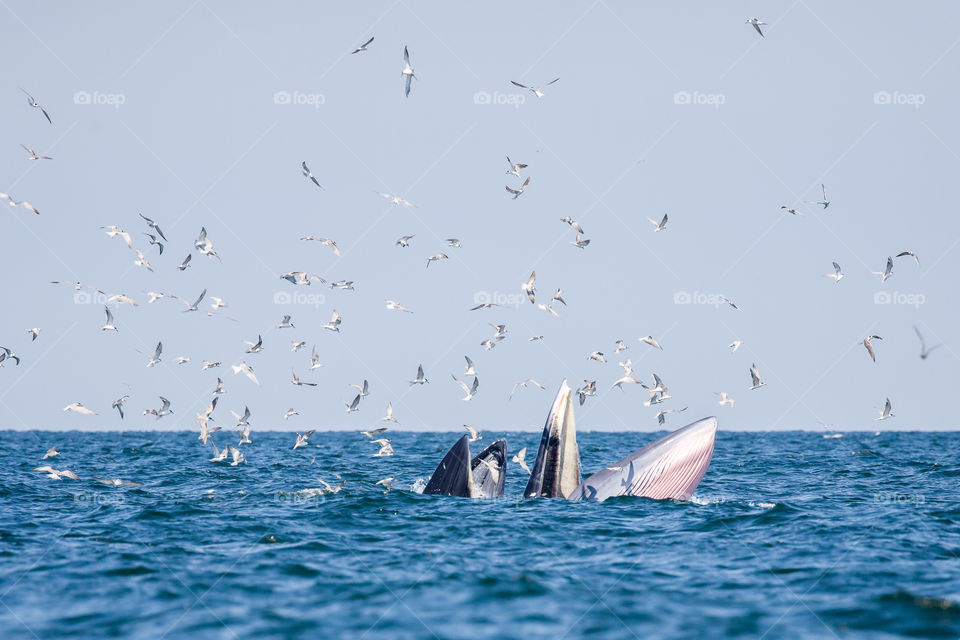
(419,485)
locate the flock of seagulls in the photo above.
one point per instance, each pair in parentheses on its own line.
(234,455)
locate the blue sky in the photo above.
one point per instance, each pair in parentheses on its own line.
(180,111)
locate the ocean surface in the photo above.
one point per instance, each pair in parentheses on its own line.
(790,535)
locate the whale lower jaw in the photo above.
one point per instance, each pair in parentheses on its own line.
(670,467)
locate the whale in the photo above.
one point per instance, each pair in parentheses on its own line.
(556,471)
(483,476)
(670,467)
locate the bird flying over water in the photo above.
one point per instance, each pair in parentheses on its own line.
(886,411)
(887,272)
(362,47)
(755,377)
(515,167)
(837,275)
(869,346)
(516,192)
(756,24)
(36,105)
(924,352)
(537,91)
(823,203)
(659,226)
(407,73)
(34,155)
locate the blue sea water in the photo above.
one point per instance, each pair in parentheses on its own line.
(790,535)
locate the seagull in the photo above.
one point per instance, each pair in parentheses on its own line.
(435,257)
(548,309)
(124,299)
(363,389)
(298,383)
(334,324)
(35,156)
(837,275)
(386,449)
(237,456)
(116,483)
(887,272)
(353,406)
(529,288)
(911,254)
(118,405)
(155,226)
(210,365)
(621,346)
(516,192)
(573,223)
(290,413)
(662,414)
(255,347)
(362,47)
(420,379)
(790,210)
(218,456)
(658,226)
(537,91)
(306,172)
(396,200)
(314,360)
(735,345)
(113,231)
(303,439)
(396,306)
(589,389)
(20,203)
(755,377)
(389,417)
(520,458)
(56,474)
(326,242)
(471,390)
(217,303)
(141,261)
(869,346)
(35,333)
(301,277)
(51,453)
(243,366)
(297,345)
(285,323)
(724,398)
(155,358)
(109,326)
(165,409)
(580,243)
(404,241)
(650,341)
(186,262)
(924,352)
(346,285)
(36,105)
(627,378)
(373,432)
(154,296)
(407,72)
(453,242)
(523,385)
(386,482)
(756,24)
(598,356)
(823,203)
(153,241)
(204,244)
(470,370)
(730,302)
(558,296)
(474,434)
(207,431)
(514,167)
(886,411)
